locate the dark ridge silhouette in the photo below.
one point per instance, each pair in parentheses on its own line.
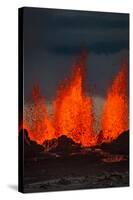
(31,148)
(65,146)
(118,146)
(62,144)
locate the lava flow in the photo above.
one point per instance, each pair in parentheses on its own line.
(116,111)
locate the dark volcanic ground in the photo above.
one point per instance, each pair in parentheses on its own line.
(64,167)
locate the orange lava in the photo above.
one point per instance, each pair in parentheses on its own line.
(36,118)
(73,109)
(116,111)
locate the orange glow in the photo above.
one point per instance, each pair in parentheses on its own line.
(115,113)
(73,110)
(40,126)
(73,113)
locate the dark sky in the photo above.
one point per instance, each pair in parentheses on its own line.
(54,38)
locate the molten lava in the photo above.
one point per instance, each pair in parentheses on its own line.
(36,118)
(73,109)
(73,113)
(115,112)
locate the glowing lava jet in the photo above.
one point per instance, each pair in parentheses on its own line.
(115,112)
(73,110)
(36,118)
(73,115)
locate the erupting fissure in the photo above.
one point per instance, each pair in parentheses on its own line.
(73,110)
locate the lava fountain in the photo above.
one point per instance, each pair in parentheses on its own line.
(73,110)
(37,120)
(115,111)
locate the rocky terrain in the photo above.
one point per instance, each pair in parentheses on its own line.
(61,164)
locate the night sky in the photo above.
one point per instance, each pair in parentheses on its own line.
(53,39)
